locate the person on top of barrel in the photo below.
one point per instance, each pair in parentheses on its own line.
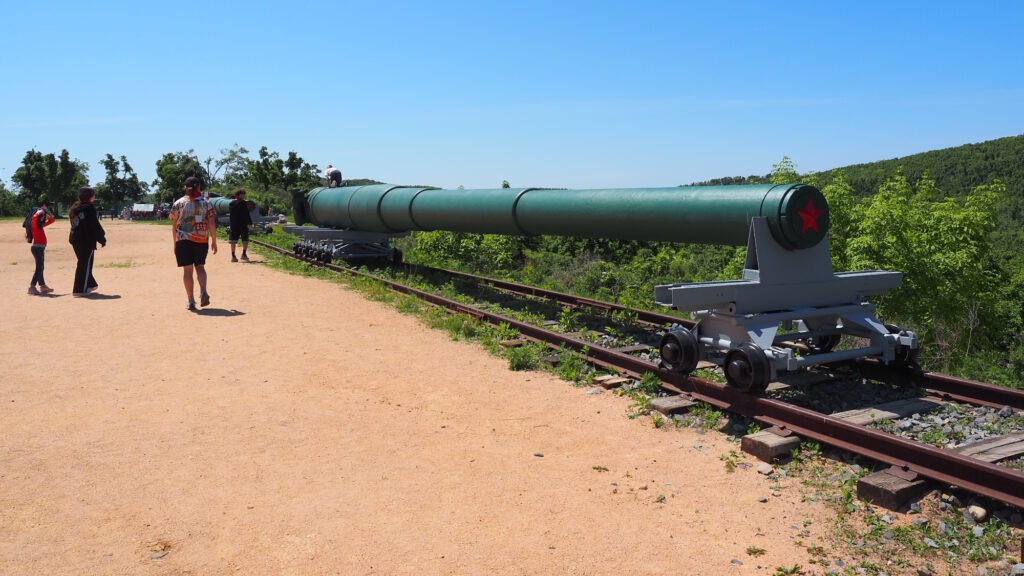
(241,221)
(193,223)
(333,176)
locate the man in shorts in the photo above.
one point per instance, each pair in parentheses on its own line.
(241,221)
(332,176)
(193,224)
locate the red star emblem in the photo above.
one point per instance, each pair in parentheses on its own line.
(809,217)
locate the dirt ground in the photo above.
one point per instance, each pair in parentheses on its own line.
(296,428)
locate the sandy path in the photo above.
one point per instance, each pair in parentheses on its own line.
(299,429)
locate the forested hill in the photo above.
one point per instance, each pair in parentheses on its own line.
(956,171)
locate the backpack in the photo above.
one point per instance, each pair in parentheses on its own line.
(28,225)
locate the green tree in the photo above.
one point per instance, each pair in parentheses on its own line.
(234,162)
(267,170)
(48,176)
(121,183)
(505,184)
(10,203)
(271,172)
(942,247)
(842,220)
(784,172)
(299,173)
(172,170)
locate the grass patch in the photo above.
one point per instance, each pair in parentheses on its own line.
(117,264)
(526,357)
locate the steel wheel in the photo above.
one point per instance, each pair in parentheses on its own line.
(679,351)
(747,368)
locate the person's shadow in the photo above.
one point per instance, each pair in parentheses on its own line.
(95,296)
(218,312)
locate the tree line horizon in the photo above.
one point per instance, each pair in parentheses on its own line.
(57,178)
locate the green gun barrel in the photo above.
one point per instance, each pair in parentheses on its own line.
(221,205)
(797,214)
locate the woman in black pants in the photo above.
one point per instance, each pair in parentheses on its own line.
(86,231)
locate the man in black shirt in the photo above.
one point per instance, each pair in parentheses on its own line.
(240,223)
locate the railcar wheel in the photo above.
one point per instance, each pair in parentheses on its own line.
(747,368)
(822,344)
(679,351)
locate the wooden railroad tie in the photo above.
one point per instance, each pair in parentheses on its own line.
(609,381)
(891,488)
(632,348)
(995,449)
(668,405)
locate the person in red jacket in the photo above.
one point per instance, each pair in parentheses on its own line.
(40,219)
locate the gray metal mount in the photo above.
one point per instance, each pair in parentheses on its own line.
(784,297)
(328,244)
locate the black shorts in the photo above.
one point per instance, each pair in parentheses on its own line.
(238,232)
(190,253)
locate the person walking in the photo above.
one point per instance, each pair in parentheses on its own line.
(40,219)
(86,231)
(193,224)
(241,221)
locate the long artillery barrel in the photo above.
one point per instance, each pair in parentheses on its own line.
(797,214)
(221,205)
(788,292)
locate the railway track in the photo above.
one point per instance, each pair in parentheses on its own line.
(907,458)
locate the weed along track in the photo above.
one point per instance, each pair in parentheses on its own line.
(836,405)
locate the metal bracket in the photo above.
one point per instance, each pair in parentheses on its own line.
(780,431)
(903,472)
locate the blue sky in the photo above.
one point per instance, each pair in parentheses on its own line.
(571,94)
